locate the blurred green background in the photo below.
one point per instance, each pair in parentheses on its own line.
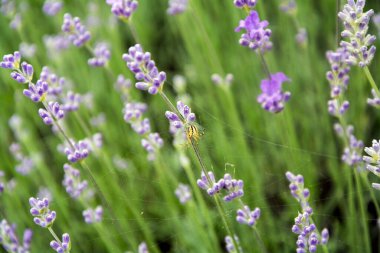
(261,146)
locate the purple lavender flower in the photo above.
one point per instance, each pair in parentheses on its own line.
(54,82)
(25,166)
(52,7)
(373,160)
(23,75)
(297,189)
(230,247)
(102,55)
(324,236)
(272,98)
(134,111)
(257,37)
(337,108)
(338,76)
(352,153)
(143,248)
(43,216)
(56,44)
(123,9)
(77,151)
(186,117)
(11,61)
(245,3)
(375,101)
(359,43)
(2,186)
(9,240)
(145,70)
(53,112)
(71,102)
(177,6)
(37,92)
(93,216)
(27,50)
(62,247)
(233,187)
(72,182)
(183,193)
(77,33)
(246,216)
(151,144)
(141,127)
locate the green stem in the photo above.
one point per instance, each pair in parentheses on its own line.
(367,243)
(258,238)
(371,80)
(54,235)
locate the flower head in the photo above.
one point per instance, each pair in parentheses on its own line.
(248,217)
(272,98)
(230,246)
(245,3)
(43,216)
(62,247)
(177,6)
(145,70)
(123,9)
(77,151)
(359,43)
(93,215)
(102,55)
(53,112)
(77,33)
(256,36)
(9,240)
(72,181)
(11,61)
(37,92)
(52,7)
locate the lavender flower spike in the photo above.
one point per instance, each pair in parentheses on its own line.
(272,98)
(248,217)
(37,92)
(183,193)
(11,61)
(177,6)
(77,151)
(72,182)
(230,247)
(145,70)
(179,121)
(62,247)
(123,9)
(52,7)
(245,3)
(359,43)
(77,33)
(373,160)
(23,75)
(93,216)
(256,36)
(54,112)
(43,216)
(102,55)
(9,240)
(297,189)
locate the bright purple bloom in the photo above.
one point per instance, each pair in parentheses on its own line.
(23,75)
(246,216)
(359,44)
(123,9)
(62,247)
(179,121)
(338,76)
(53,112)
(324,236)
(245,3)
(72,181)
(37,92)
(77,151)
(52,7)
(134,111)
(183,193)
(93,216)
(177,6)
(10,241)
(102,55)
(272,98)
(43,216)
(77,33)
(11,61)
(54,82)
(256,36)
(145,70)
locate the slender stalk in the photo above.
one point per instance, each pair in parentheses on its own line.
(367,242)
(54,235)
(337,35)
(371,80)
(265,65)
(258,238)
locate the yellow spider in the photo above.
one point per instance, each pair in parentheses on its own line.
(193,132)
